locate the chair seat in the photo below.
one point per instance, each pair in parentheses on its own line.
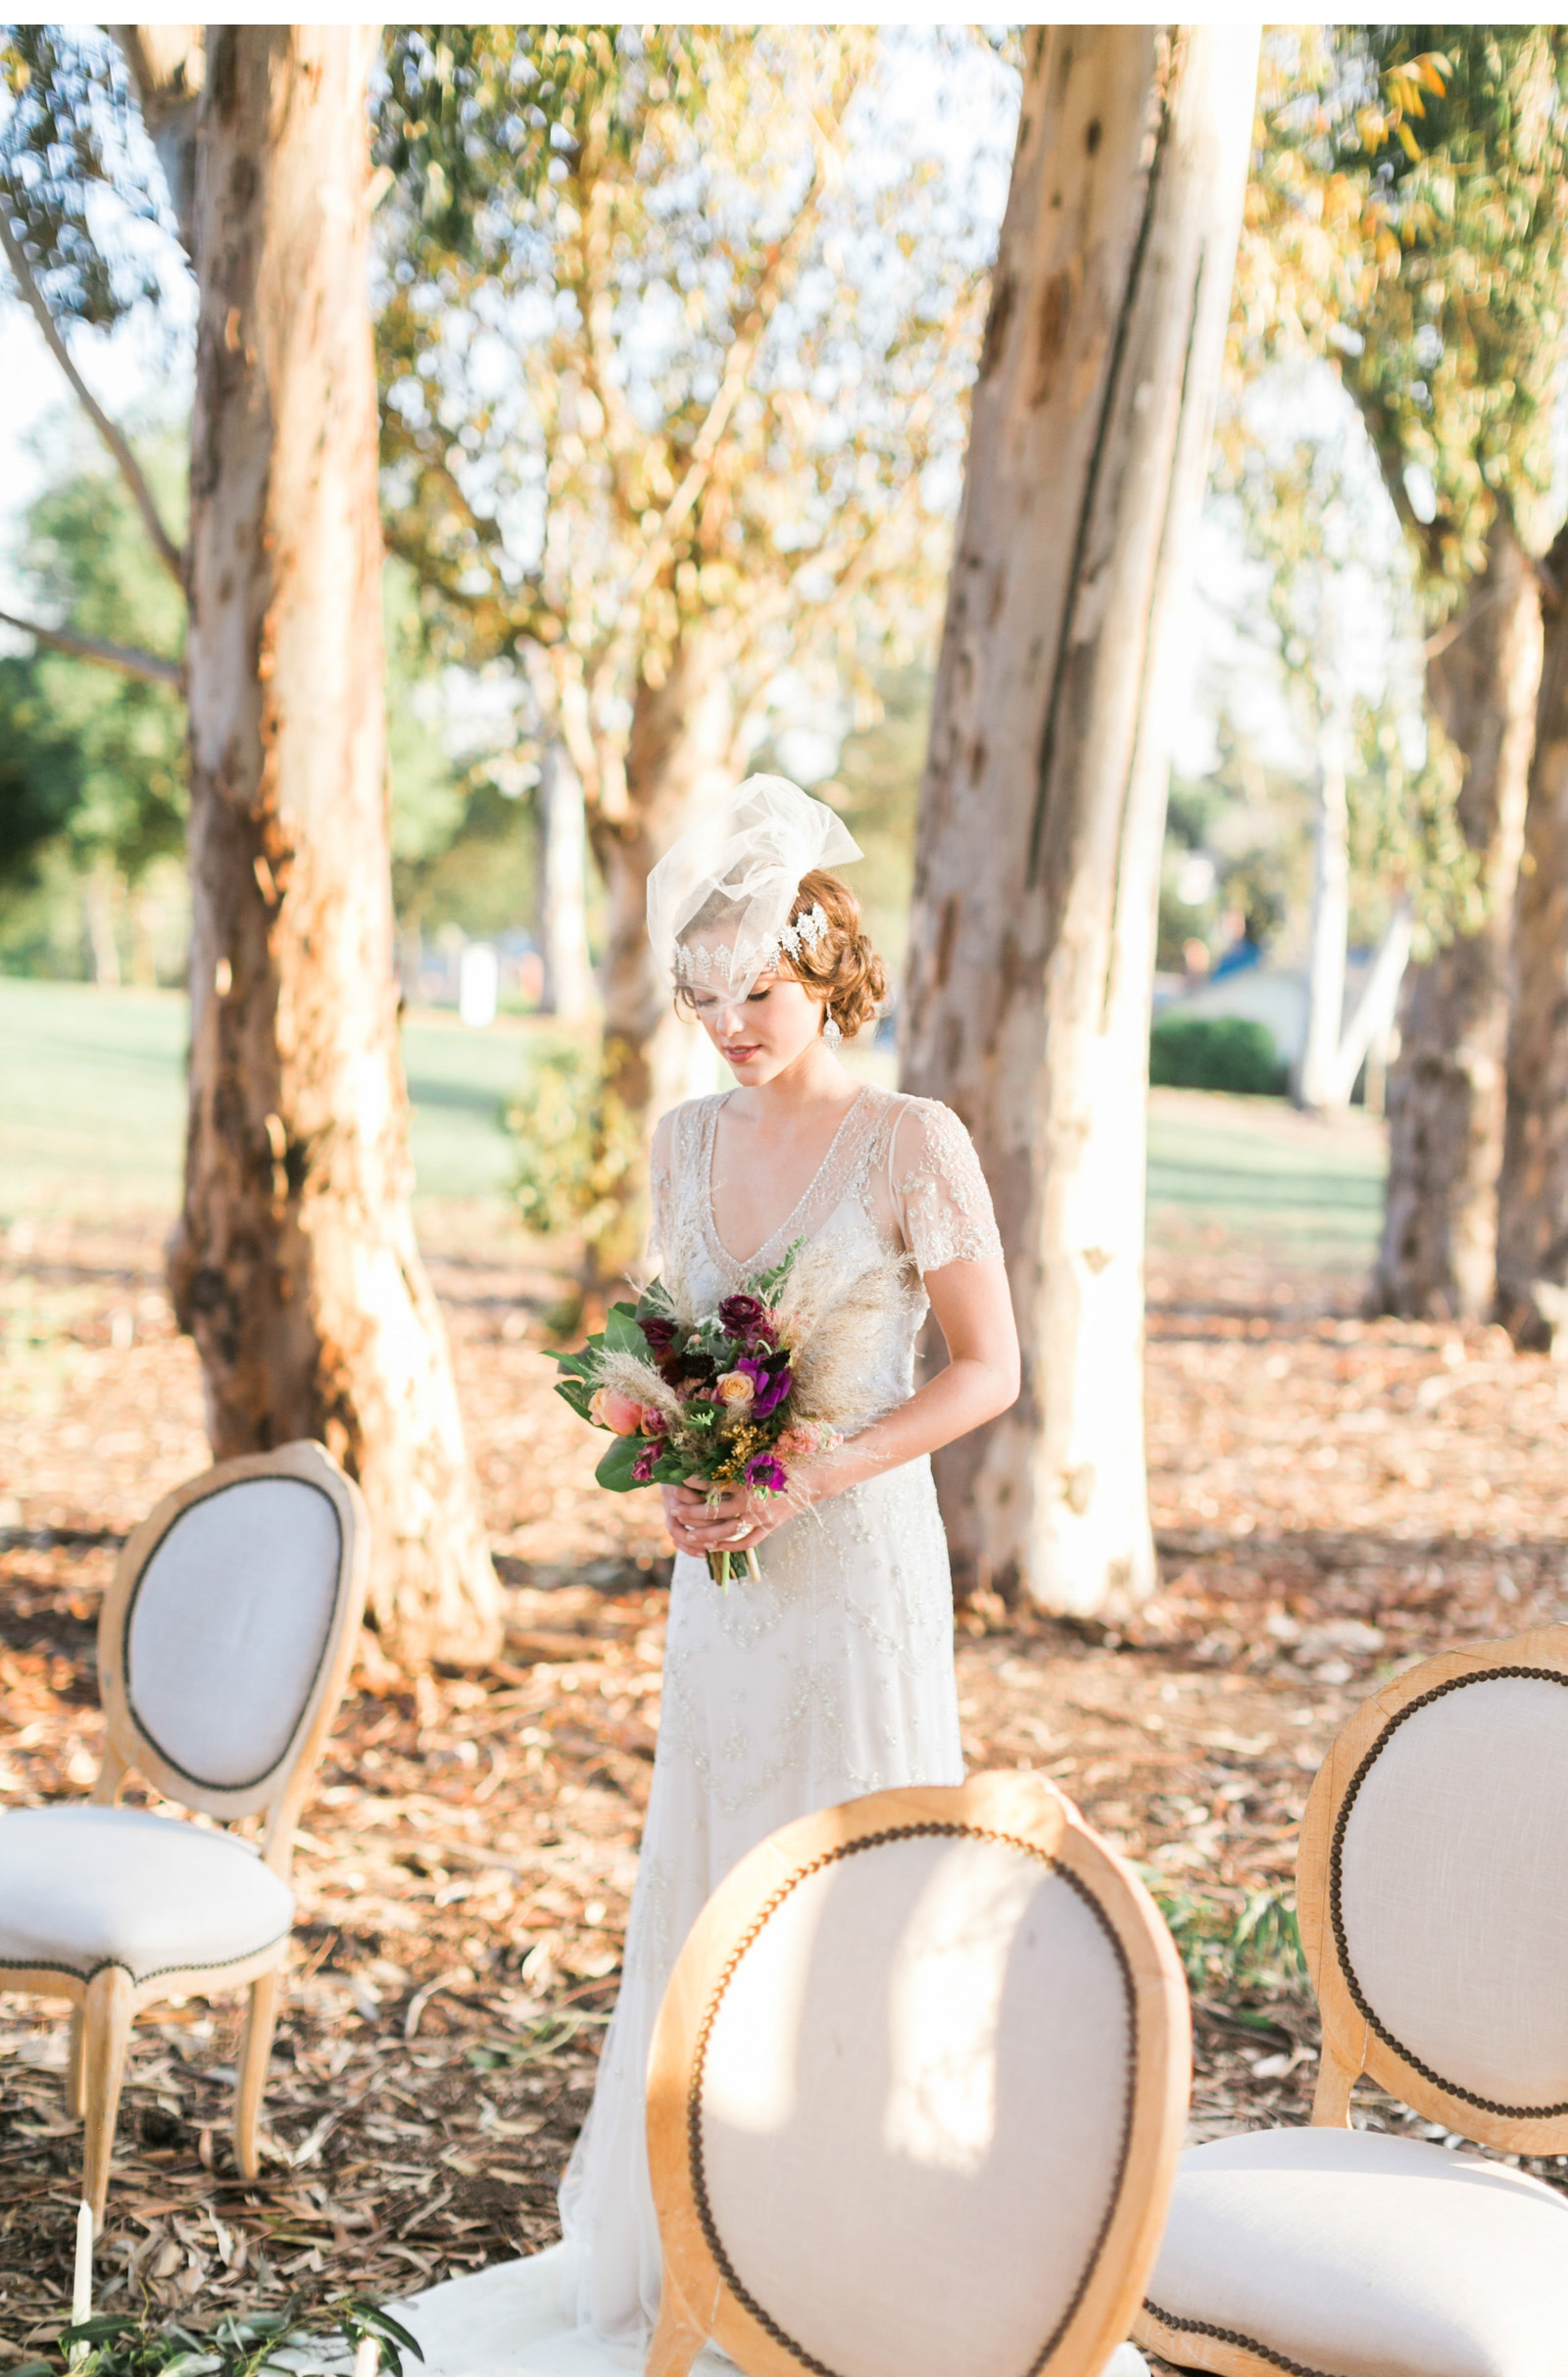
(81,1888)
(1351,2253)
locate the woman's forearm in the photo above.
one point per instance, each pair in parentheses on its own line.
(964,1395)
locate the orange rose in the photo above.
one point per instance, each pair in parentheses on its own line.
(610,1408)
(734,1389)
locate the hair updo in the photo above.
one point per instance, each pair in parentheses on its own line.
(842,967)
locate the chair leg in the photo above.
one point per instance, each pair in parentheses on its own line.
(107,2019)
(254,2060)
(677,2339)
(76,2065)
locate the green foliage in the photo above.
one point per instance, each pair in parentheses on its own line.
(73,166)
(1409,219)
(1304,517)
(1255,1953)
(91,760)
(236,2346)
(575,1145)
(1215,1052)
(1250,819)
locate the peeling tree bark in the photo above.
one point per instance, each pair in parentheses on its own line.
(295,1266)
(568,984)
(1446,1088)
(684,752)
(1533,1191)
(1043,807)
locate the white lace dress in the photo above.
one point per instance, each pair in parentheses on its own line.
(830,1678)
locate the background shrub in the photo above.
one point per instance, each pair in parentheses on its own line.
(1215,1052)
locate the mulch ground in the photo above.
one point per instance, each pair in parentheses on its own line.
(1333,1499)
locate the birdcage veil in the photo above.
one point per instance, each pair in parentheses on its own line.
(720,900)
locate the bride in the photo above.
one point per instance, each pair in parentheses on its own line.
(833,1675)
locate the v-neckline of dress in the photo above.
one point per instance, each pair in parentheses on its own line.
(753,1263)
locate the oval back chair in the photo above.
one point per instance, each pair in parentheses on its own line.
(1432,1890)
(224,1642)
(916,2093)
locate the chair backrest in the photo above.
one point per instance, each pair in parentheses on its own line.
(225,1638)
(917,2092)
(1432,1890)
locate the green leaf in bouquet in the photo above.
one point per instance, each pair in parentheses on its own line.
(656,1302)
(580,1364)
(579,1393)
(615,1471)
(621,1333)
(767,1283)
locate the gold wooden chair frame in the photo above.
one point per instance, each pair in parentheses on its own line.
(1356,2046)
(107,2002)
(700,2300)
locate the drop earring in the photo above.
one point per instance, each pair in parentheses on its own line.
(831,1034)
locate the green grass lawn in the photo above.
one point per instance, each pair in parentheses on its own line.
(92,1116)
(92,1099)
(1261,1174)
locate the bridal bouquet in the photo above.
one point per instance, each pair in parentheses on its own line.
(735,1397)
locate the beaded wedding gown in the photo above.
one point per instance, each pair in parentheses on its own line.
(831,1678)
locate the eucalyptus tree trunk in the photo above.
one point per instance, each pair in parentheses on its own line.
(568,984)
(1043,807)
(295,1266)
(1331,920)
(1533,1191)
(682,753)
(1446,1088)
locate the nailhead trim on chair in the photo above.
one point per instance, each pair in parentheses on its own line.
(106,1964)
(694,2102)
(1178,2326)
(1451,2088)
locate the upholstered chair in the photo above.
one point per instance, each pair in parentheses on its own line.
(1432,1885)
(223,1646)
(916,2094)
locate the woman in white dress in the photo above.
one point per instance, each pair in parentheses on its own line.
(833,1677)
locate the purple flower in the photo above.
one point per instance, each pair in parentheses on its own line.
(765,1475)
(660,1334)
(641,1468)
(746,1317)
(771,1387)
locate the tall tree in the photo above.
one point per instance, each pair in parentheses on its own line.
(1533,1190)
(673,364)
(1043,806)
(295,1265)
(1410,216)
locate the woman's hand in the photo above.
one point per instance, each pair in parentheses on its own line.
(735,1519)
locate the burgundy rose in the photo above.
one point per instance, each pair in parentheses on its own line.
(745,1318)
(765,1475)
(660,1334)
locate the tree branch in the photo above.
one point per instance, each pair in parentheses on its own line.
(149,665)
(130,470)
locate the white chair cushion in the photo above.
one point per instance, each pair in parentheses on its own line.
(1355,2255)
(228,1625)
(85,1887)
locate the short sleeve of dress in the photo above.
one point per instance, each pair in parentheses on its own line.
(938,1190)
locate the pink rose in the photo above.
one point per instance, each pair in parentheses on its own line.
(735,1389)
(796,1444)
(610,1408)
